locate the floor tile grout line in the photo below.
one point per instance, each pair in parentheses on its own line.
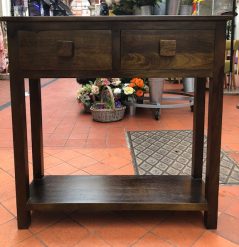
(200,236)
(90,233)
(8,173)
(85,166)
(21,241)
(8,221)
(40,240)
(49,82)
(53,155)
(164,239)
(96,161)
(227,214)
(7,104)
(161,221)
(70,132)
(160,238)
(151,230)
(81,225)
(104,158)
(47,226)
(14,216)
(218,234)
(140,238)
(72,173)
(32,236)
(58,165)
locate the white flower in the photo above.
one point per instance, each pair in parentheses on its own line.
(128,90)
(117,91)
(116,81)
(95,89)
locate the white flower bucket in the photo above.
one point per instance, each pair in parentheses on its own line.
(188,85)
(146,10)
(156,89)
(173,7)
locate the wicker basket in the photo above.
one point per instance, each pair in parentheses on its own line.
(108,115)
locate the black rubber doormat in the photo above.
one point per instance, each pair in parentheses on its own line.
(169,152)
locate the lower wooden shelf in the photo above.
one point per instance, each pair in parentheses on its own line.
(117,193)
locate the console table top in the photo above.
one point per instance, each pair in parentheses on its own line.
(114,18)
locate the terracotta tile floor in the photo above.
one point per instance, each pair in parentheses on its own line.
(74,144)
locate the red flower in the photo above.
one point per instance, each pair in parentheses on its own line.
(139,93)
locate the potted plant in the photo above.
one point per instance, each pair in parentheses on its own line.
(123,7)
(186,7)
(139,87)
(86,95)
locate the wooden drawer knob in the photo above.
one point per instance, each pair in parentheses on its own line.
(167,48)
(65,48)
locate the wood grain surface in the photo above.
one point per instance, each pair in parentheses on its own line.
(40,50)
(118,192)
(141,50)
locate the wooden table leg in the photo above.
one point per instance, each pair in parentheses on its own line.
(214,133)
(20,149)
(213,152)
(198,127)
(36,128)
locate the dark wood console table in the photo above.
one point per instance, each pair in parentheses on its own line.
(154,46)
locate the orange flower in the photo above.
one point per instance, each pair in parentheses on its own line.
(132,84)
(139,93)
(133,80)
(139,83)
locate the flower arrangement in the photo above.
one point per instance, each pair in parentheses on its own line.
(136,89)
(138,85)
(140,3)
(196,6)
(123,7)
(126,7)
(114,84)
(87,95)
(124,91)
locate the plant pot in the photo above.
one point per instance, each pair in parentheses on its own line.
(222,6)
(173,7)
(140,100)
(132,110)
(136,10)
(188,85)
(185,10)
(156,89)
(160,9)
(146,10)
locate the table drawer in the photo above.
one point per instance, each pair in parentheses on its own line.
(167,49)
(71,50)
